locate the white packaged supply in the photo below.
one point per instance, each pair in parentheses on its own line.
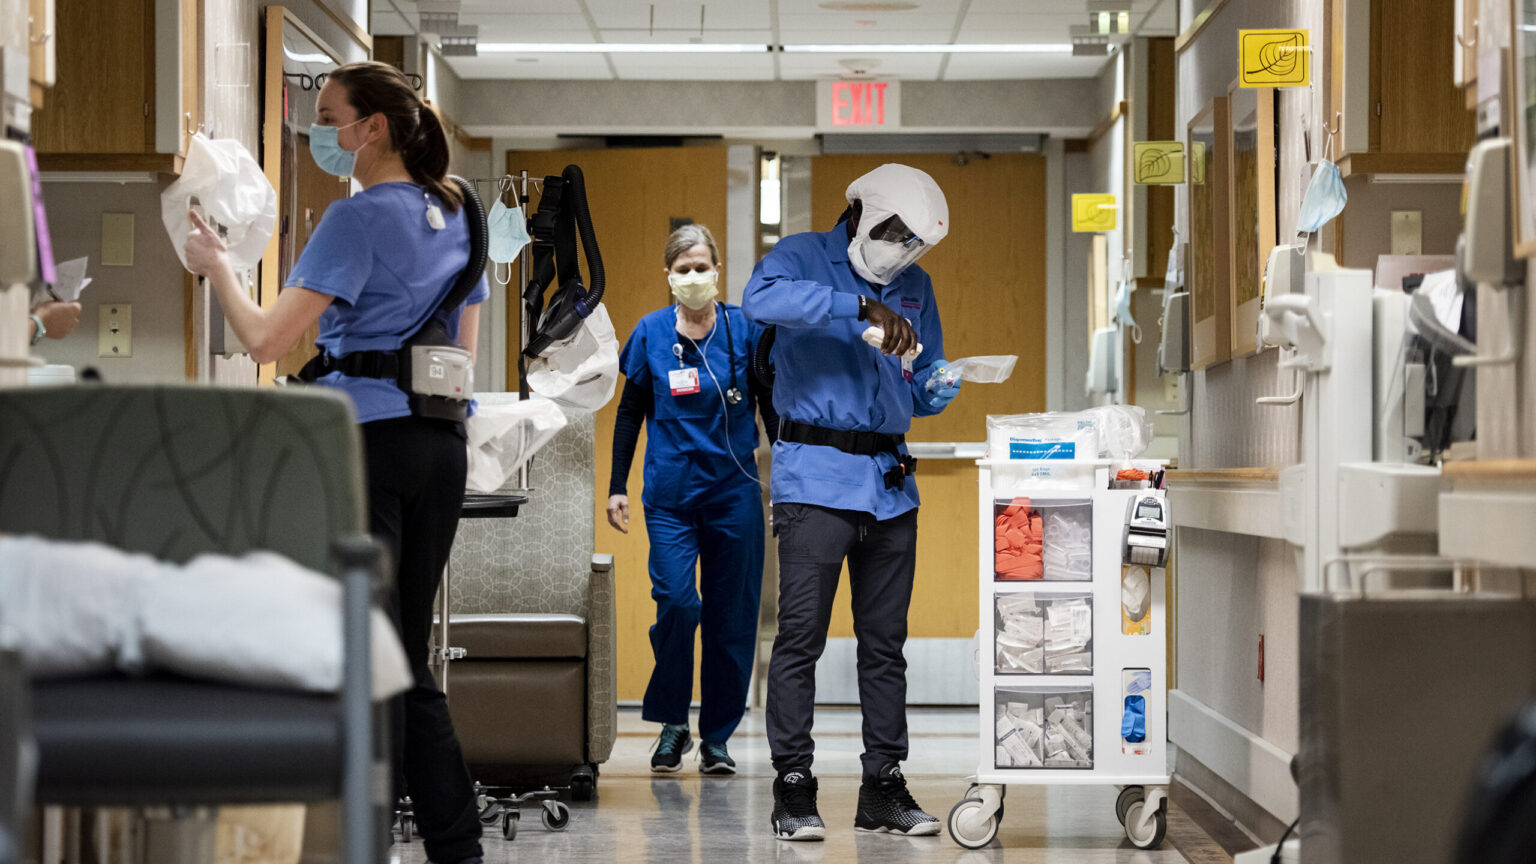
(1064,664)
(1042,436)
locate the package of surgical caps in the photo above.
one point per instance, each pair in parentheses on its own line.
(1037,730)
(1044,634)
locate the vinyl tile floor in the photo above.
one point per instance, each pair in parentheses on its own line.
(686,818)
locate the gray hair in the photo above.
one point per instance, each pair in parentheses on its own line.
(689,236)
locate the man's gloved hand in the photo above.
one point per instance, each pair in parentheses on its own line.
(942,393)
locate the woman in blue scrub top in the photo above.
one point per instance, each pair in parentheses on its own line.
(687,372)
(377,265)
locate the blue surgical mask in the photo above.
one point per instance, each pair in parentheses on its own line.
(1324,200)
(328,152)
(508,232)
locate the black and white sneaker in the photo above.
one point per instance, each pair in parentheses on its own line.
(885,805)
(794,806)
(671,746)
(714,759)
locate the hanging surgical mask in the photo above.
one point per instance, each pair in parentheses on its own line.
(328,152)
(1324,200)
(507,233)
(694,290)
(1123,315)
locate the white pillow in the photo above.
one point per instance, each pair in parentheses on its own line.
(260,620)
(72,608)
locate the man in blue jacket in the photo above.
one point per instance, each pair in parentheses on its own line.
(842,479)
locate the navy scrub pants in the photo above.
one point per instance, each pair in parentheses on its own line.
(721,534)
(882,559)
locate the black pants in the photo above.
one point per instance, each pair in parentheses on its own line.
(882,557)
(415,491)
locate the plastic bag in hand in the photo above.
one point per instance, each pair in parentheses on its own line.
(231,191)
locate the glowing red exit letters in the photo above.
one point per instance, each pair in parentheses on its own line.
(858,103)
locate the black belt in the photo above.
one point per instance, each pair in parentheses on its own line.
(855,443)
(358,364)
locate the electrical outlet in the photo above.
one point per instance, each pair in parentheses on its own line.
(1407,232)
(116,338)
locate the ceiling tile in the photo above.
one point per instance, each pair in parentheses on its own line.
(917,67)
(735,67)
(992,67)
(549,66)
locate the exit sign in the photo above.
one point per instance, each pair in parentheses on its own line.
(858,106)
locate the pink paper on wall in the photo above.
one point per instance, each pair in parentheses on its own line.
(40,217)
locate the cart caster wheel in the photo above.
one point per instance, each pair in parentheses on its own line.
(582,786)
(974,791)
(407,828)
(1128,796)
(509,822)
(490,811)
(967,828)
(1144,832)
(556,815)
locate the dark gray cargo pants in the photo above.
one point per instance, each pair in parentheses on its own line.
(882,558)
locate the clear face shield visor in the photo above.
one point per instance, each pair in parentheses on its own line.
(892,247)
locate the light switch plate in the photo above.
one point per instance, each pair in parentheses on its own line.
(116,339)
(117,239)
(1407,232)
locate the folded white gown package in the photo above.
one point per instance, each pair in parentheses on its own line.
(231,190)
(261,620)
(505,432)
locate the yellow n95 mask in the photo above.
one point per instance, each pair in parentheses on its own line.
(694,290)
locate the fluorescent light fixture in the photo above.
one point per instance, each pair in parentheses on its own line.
(306,58)
(621,48)
(936,48)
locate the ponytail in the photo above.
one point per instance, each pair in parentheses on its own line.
(427,159)
(415,130)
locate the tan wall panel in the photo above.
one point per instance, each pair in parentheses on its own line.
(989,278)
(633,195)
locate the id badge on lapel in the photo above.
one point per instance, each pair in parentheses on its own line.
(684,382)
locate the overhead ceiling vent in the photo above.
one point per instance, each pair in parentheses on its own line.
(439,16)
(1087,43)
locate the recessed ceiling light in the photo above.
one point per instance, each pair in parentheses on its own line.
(868,5)
(938,48)
(621,48)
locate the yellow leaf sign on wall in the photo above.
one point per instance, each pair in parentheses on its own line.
(1273,58)
(1093,212)
(1158,162)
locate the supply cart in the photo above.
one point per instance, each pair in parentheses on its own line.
(1073,641)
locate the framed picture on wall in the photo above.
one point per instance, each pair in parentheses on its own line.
(1520,113)
(1251,203)
(1210,319)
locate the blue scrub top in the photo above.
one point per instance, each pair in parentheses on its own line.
(686,452)
(826,375)
(387,270)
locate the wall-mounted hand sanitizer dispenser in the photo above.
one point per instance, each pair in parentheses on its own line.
(1103,361)
(1483,252)
(1173,347)
(1284,273)
(18,242)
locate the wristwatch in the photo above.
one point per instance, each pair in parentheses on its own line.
(41,330)
(863,307)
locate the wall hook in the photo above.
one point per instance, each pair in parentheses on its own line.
(1338,122)
(1468,43)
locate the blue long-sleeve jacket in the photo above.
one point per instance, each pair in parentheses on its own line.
(826,375)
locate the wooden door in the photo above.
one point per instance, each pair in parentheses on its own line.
(989,279)
(634,195)
(103,99)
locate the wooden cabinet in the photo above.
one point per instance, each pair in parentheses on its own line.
(1393,87)
(112,59)
(40,29)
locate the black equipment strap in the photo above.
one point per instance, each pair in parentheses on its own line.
(856,443)
(386,364)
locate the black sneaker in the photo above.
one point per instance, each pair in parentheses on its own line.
(794,806)
(671,745)
(885,805)
(713,759)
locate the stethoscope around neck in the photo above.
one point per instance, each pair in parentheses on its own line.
(733,395)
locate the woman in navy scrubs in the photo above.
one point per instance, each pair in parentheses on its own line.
(687,370)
